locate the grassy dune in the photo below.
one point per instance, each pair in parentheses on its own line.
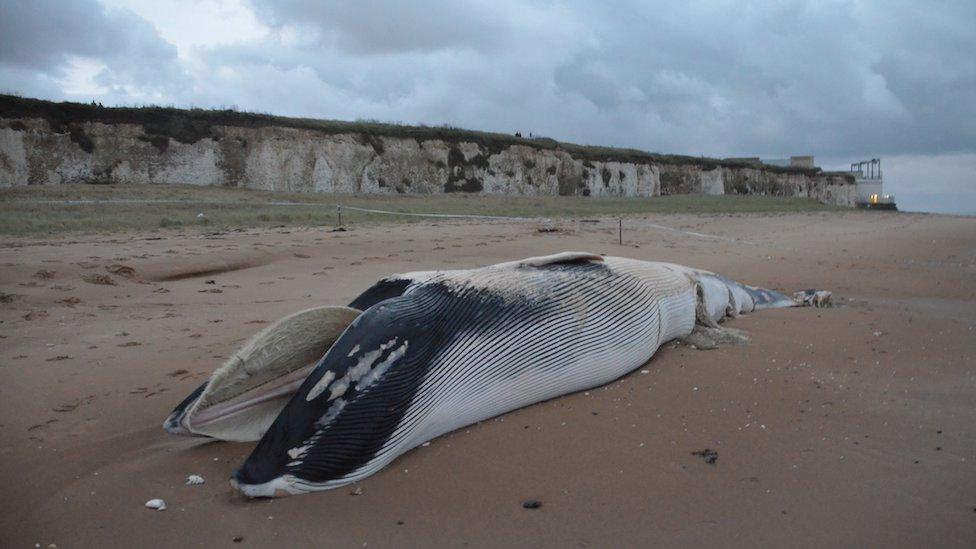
(26,211)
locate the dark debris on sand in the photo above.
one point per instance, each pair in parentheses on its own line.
(710,456)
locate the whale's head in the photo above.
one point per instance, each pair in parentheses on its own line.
(242,397)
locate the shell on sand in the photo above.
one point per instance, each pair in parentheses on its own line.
(156,504)
(194,479)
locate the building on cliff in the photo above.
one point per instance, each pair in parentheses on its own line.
(45,143)
(793,161)
(870,186)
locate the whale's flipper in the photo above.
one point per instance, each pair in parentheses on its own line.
(353,402)
(243,397)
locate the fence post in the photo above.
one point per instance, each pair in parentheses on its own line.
(339,211)
(620,231)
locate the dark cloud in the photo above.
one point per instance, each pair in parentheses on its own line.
(42,39)
(391,26)
(832,78)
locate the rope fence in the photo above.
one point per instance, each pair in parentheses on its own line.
(339,207)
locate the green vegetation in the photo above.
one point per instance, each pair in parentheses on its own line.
(191,125)
(26,211)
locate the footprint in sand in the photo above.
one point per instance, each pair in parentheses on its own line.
(302,256)
(8,298)
(100,279)
(122,270)
(71,406)
(69,301)
(42,425)
(35,315)
(44,274)
(129,344)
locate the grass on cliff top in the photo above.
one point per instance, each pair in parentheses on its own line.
(190,125)
(36,211)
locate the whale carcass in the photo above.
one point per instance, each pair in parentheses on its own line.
(333,394)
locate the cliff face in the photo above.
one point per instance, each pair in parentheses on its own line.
(37,151)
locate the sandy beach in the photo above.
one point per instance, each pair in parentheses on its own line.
(848,426)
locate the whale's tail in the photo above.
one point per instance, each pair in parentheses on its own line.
(718,298)
(813,298)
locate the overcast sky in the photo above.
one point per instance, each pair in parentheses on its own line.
(842,80)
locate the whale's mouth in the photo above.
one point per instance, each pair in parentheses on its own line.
(276,389)
(244,396)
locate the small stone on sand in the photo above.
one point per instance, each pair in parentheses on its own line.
(156,504)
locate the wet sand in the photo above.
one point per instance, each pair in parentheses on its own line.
(851,426)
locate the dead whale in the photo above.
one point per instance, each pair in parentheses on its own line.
(336,393)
